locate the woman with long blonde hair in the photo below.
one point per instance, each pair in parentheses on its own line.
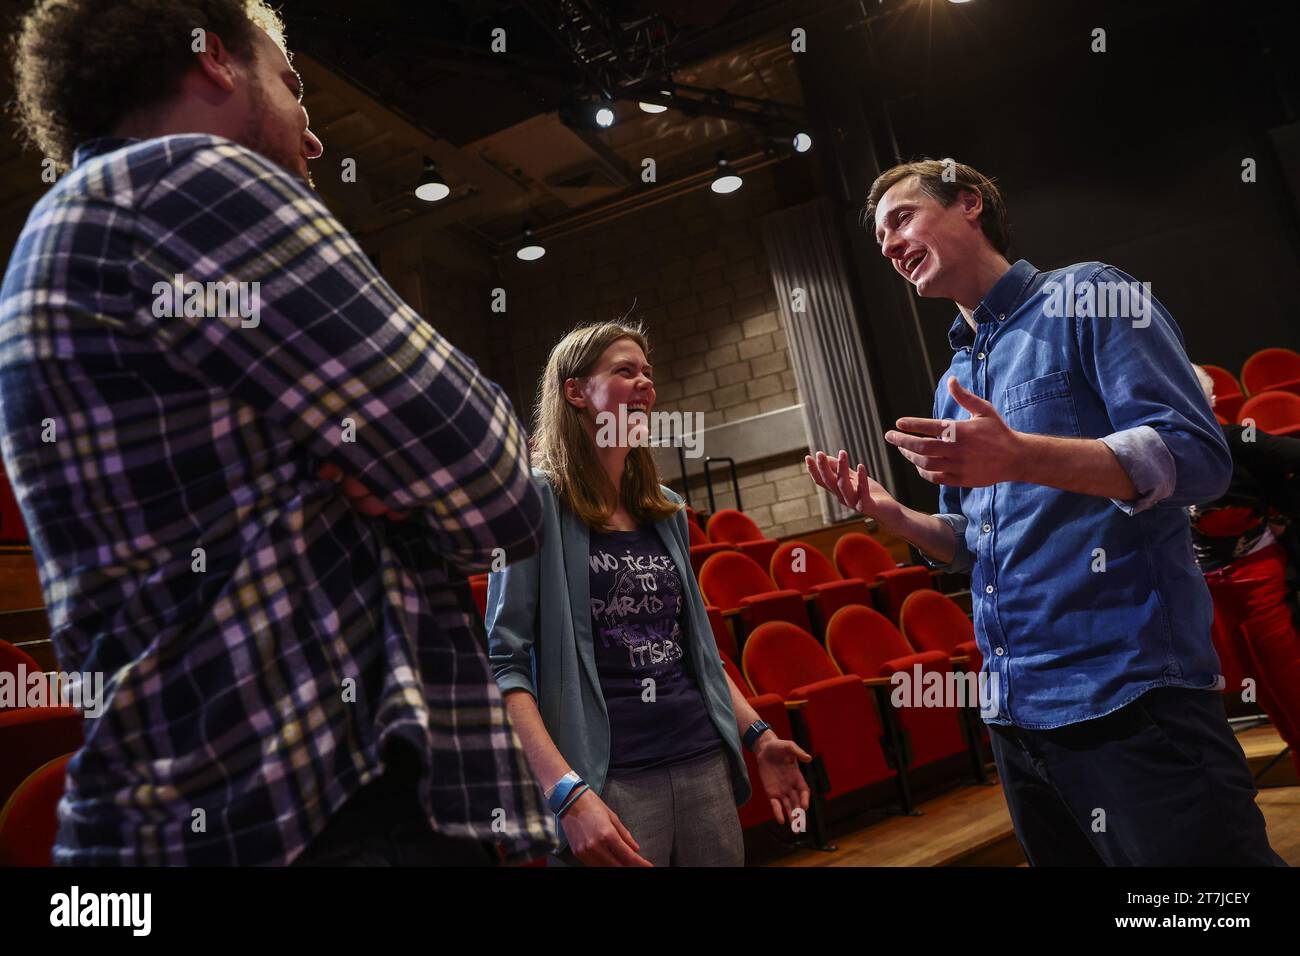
(601,643)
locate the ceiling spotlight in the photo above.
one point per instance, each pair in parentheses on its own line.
(802,142)
(724,180)
(529,250)
(604,117)
(431,187)
(655,107)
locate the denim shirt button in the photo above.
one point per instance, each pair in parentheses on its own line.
(1002,318)
(987,528)
(988,589)
(998,651)
(980,356)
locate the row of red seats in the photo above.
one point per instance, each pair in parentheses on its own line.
(800,576)
(728,530)
(1268,370)
(837,705)
(1275,413)
(855,744)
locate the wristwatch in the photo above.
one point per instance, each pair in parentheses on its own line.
(756,730)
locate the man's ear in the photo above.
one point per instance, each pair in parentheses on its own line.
(216,63)
(573,393)
(972,204)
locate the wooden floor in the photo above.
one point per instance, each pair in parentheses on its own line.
(970,825)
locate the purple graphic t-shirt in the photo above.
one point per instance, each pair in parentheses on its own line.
(636,613)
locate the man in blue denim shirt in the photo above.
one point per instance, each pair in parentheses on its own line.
(1067,437)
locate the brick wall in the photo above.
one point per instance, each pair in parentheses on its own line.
(777,493)
(693,269)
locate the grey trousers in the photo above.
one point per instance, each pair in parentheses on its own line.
(680,815)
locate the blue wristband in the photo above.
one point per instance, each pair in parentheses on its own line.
(559,794)
(574,796)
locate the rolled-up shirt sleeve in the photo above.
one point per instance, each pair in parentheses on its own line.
(1150,467)
(962,558)
(951,514)
(1163,430)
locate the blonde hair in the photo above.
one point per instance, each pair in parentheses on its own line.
(565,450)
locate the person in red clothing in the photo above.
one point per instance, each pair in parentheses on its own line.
(1245,565)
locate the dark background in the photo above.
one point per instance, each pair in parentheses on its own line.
(1132,156)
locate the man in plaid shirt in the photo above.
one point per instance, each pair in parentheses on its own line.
(278,656)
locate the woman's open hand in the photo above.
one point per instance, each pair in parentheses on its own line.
(597,836)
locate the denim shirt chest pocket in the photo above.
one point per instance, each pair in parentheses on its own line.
(1042,406)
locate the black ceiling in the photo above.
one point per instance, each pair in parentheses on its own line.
(433,60)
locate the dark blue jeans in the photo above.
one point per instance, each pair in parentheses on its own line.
(1159,782)
(383,825)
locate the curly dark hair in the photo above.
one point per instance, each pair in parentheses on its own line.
(82,66)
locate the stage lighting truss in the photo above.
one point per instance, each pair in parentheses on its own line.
(631,59)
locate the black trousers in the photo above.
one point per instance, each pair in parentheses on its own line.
(1159,782)
(383,825)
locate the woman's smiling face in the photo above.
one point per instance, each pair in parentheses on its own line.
(621,378)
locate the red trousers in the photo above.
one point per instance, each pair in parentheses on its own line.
(1257,627)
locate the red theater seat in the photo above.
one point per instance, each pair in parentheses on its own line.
(12,529)
(11,658)
(838,716)
(698,536)
(1272,370)
(732,527)
(722,634)
(737,677)
(1227,393)
(933,622)
(736,528)
(702,552)
(900,584)
(799,566)
(478,584)
(29,821)
(732,581)
(760,552)
(864,642)
(31,736)
(1277,413)
(859,555)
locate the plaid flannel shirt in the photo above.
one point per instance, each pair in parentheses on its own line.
(261,640)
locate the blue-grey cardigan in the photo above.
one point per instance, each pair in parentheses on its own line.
(539,623)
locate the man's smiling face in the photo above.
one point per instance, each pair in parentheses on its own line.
(925,242)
